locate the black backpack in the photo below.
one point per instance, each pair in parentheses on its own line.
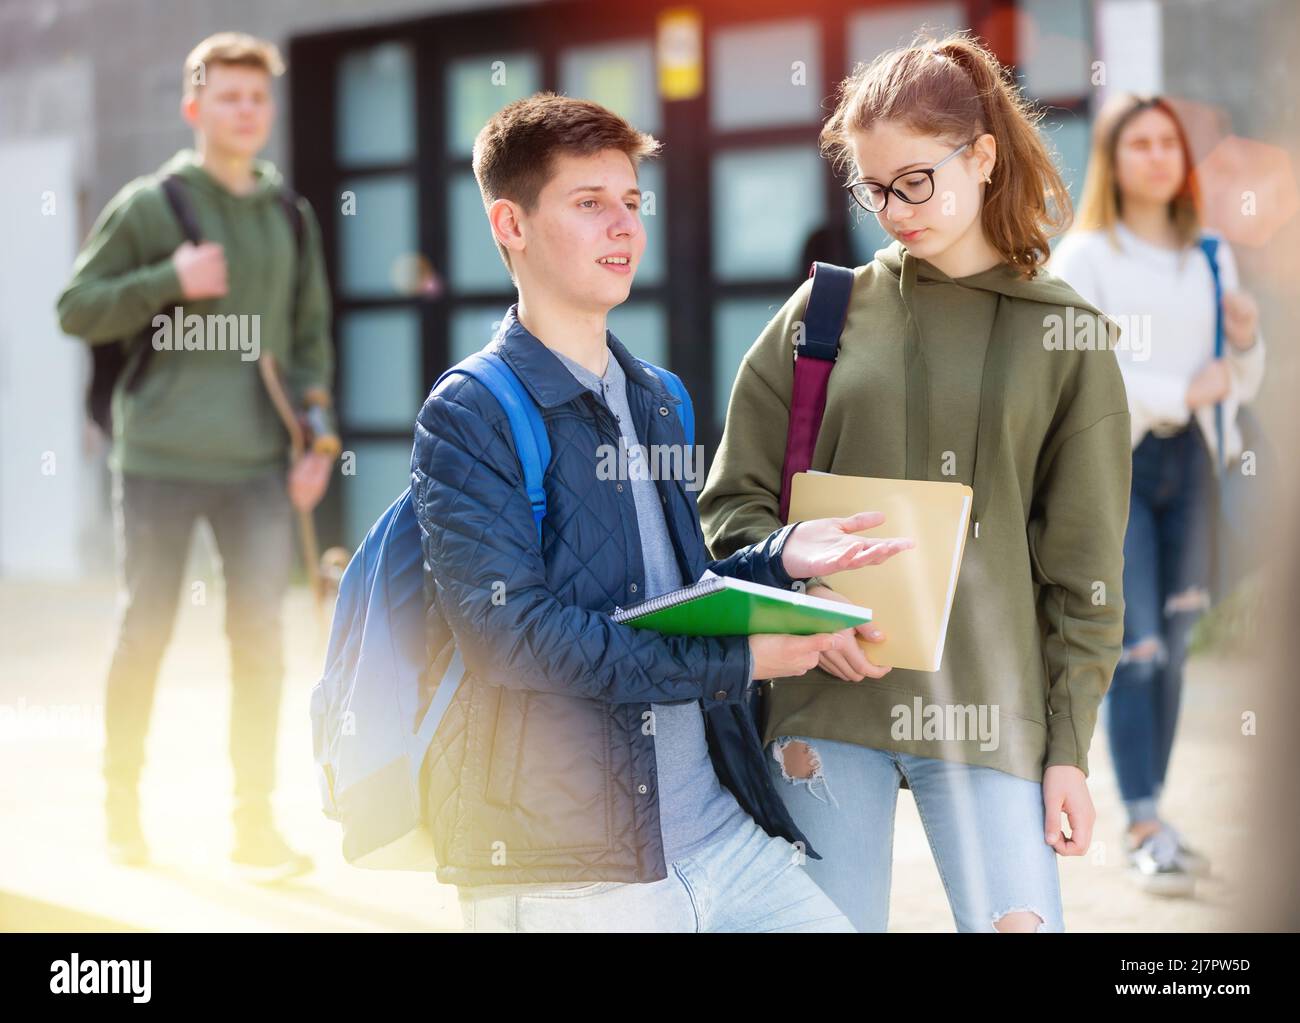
(109,361)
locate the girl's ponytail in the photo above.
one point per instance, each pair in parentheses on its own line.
(956,89)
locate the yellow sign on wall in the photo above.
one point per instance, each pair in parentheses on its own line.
(680,53)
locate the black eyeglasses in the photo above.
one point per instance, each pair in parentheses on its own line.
(917,186)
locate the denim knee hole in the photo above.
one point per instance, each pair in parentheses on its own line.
(815,774)
(1149,650)
(999,917)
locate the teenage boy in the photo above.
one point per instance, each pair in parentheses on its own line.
(591,776)
(198,434)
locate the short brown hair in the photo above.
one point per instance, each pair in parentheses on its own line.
(955,88)
(514,154)
(236,48)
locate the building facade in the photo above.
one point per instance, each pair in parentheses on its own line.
(377,116)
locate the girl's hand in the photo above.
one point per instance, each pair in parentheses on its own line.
(1210,385)
(1240,318)
(847,661)
(826,546)
(1065,790)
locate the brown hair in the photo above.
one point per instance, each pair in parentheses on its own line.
(954,88)
(236,48)
(514,154)
(1101,204)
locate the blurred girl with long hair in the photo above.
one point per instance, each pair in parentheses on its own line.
(1136,252)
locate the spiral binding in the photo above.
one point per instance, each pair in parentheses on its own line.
(672,598)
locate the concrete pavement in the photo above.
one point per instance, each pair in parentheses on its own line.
(56,641)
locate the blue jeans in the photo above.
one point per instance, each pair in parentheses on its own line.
(746,880)
(985,829)
(1166,573)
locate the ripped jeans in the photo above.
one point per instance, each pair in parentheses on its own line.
(1166,572)
(985,829)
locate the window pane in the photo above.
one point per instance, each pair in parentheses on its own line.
(766,74)
(1130,36)
(381,376)
(378,237)
(477,87)
(873,32)
(642,327)
(376,106)
(737,323)
(383,471)
(1055,47)
(620,76)
(476,264)
(654,219)
(472,327)
(767,202)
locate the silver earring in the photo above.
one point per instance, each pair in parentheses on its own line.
(988,178)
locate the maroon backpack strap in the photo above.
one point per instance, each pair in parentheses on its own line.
(823,322)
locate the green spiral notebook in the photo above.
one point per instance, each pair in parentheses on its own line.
(722,606)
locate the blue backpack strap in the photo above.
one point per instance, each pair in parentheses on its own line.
(828,308)
(446,692)
(678,390)
(1210,246)
(529,432)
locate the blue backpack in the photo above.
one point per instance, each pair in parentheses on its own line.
(369,731)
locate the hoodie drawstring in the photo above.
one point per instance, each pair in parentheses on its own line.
(993,382)
(917,385)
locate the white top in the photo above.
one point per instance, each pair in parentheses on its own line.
(1163,301)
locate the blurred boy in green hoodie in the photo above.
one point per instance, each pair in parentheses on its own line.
(197,435)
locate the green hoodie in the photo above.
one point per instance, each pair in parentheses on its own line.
(936,375)
(203,414)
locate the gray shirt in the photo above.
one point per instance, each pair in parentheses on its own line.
(692,802)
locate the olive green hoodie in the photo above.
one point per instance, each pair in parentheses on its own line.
(997,382)
(204,414)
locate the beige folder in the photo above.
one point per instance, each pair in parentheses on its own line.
(910,595)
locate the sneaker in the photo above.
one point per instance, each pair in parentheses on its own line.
(1155,867)
(1195,863)
(261,855)
(126,844)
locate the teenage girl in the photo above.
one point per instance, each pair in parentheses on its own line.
(961,359)
(1135,251)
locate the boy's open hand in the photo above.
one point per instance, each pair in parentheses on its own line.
(825,546)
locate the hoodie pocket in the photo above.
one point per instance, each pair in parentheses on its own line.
(203,406)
